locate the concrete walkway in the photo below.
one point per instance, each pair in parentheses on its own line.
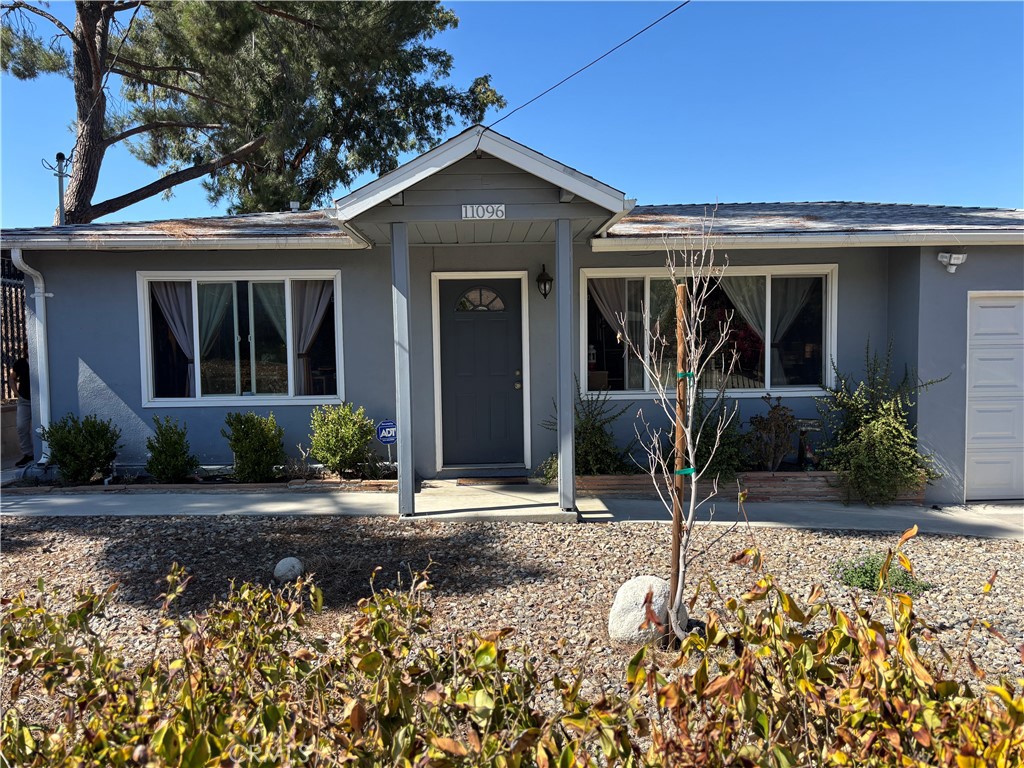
(443,500)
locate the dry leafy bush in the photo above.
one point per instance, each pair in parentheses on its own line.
(773,683)
(768,683)
(246,688)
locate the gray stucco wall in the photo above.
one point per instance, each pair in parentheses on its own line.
(94,340)
(905,294)
(903,308)
(942,351)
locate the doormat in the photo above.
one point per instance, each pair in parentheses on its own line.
(493,481)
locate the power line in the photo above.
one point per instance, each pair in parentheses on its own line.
(588,66)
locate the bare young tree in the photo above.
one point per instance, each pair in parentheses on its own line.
(688,359)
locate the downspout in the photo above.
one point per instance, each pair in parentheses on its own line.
(42,355)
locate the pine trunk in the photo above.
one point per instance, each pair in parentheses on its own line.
(89,51)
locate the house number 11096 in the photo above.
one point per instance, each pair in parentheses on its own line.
(486,211)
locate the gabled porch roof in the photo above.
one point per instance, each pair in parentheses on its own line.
(418,194)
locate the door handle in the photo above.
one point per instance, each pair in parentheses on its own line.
(518,385)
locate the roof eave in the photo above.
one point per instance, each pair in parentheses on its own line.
(199,243)
(613,244)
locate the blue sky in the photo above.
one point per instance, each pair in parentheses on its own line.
(734,102)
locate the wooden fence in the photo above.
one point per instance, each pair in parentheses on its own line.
(12,322)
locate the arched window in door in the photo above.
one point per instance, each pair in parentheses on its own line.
(480,299)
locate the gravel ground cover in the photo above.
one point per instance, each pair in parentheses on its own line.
(548,582)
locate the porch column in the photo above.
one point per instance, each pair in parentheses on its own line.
(566,391)
(403,371)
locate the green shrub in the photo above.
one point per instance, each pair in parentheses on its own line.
(258,445)
(595,447)
(771,435)
(82,449)
(866,574)
(170,457)
(341,437)
(548,469)
(880,459)
(868,437)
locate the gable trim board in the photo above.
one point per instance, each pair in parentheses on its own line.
(479,140)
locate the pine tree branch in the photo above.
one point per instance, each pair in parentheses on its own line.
(117,7)
(289,17)
(173,179)
(18,5)
(155,125)
(150,67)
(156,84)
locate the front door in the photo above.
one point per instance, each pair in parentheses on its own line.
(481,346)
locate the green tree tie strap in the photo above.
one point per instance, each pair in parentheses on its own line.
(684,374)
(687,471)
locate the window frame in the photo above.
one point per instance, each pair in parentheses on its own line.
(829,271)
(144,278)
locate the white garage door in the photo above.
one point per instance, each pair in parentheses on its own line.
(995,397)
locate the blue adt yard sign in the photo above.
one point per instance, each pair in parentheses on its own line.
(387,432)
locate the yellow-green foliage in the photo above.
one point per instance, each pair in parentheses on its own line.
(775,683)
(770,683)
(246,689)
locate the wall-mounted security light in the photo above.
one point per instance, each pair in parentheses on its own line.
(952,260)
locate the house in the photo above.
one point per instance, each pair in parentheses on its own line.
(417,297)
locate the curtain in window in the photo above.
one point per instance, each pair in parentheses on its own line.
(747,294)
(310,300)
(271,298)
(175,301)
(789,295)
(610,296)
(214,302)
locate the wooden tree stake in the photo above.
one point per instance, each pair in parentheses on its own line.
(679,483)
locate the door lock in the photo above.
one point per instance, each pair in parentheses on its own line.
(518,385)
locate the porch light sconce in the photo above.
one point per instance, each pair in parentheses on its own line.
(544,281)
(952,260)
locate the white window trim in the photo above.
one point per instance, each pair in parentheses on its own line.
(829,271)
(143,278)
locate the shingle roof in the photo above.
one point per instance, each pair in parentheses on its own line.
(806,218)
(737,220)
(307,226)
